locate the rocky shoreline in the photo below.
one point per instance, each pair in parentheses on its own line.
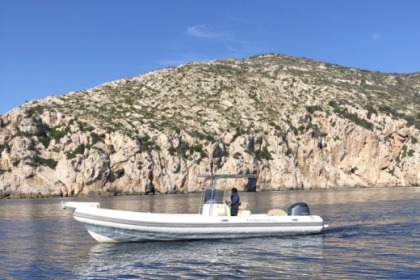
(41,196)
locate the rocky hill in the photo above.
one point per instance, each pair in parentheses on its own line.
(297,123)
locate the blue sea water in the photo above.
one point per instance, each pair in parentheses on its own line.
(373,234)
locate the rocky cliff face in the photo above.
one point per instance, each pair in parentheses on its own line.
(297,123)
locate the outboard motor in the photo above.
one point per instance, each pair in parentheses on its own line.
(298,209)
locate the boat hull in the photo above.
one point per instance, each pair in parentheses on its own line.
(108,225)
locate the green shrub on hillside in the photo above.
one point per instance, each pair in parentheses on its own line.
(405,152)
(79,150)
(34,111)
(350,116)
(95,138)
(58,134)
(263,154)
(47,162)
(45,141)
(313,109)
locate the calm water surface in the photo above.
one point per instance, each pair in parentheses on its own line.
(373,234)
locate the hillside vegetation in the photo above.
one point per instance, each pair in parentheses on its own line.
(297,123)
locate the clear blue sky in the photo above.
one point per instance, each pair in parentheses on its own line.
(52,47)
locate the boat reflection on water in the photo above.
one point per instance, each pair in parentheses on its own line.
(251,257)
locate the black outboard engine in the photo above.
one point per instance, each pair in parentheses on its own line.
(298,209)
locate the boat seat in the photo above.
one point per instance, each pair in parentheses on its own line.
(243,209)
(243,206)
(244,213)
(277,212)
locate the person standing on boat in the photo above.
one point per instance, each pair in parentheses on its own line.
(234,202)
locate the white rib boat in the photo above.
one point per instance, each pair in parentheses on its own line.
(212,222)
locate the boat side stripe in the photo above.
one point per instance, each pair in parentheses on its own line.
(195,225)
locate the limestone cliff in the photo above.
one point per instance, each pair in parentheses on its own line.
(297,123)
